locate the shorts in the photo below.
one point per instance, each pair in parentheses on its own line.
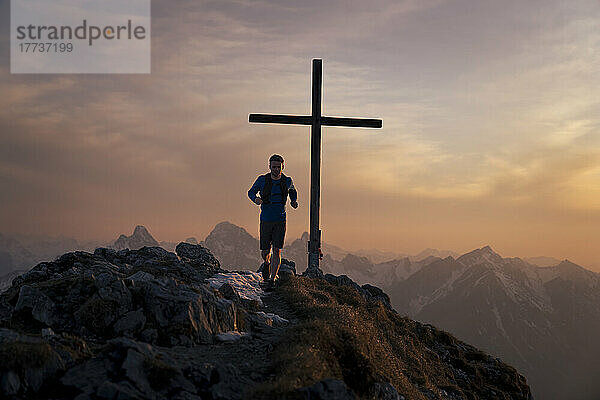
(272,233)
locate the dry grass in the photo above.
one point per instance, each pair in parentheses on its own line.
(18,356)
(343,336)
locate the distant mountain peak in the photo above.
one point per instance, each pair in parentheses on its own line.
(568,264)
(479,256)
(140,230)
(138,239)
(428,252)
(226,227)
(225,224)
(233,246)
(191,240)
(568,267)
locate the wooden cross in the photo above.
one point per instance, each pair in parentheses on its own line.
(316,120)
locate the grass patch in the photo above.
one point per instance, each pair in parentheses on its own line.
(97,314)
(18,355)
(342,335)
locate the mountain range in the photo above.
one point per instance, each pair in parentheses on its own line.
(544,320)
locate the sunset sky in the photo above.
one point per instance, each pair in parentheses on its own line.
(490,109)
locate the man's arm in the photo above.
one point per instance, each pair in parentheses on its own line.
(258,184)
(293,195)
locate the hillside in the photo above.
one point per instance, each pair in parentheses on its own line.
(152,324)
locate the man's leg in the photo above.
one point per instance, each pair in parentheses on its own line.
(276,262)
(278,239)
(266,237)
(266,255)
(266,272)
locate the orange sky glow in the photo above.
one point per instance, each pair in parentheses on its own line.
(491,127)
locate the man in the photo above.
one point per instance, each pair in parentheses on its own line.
(274,189)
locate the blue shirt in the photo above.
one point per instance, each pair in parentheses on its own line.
(275,210)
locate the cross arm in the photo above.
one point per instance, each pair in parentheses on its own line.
(353,122)
(281,119)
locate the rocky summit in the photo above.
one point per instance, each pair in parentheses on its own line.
(152,324)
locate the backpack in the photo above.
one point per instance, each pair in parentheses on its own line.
(265,193)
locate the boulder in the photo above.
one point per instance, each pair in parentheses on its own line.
(287,267)
(313,272)
(197,255)
(130,323)
(178,310)
(229,292)
(384,391)
(33,301)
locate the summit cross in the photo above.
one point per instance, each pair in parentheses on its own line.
(316,120)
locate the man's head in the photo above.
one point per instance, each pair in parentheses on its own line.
(276,166)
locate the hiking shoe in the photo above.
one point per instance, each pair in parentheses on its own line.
(265,270)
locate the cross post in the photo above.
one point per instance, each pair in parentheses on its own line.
(315,120)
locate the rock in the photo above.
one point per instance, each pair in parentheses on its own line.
(369,292)
(328,389)
(149,335)
(131,323)
(9,384)
(198,256)
(134,370)
(230,337)
(342,280)
(251,304)
(37,303)
(287,267)
(107,254)
(313,272)
(384,391)
(273,319)
(196,314)
(102,376)
(108,390)
(89,375)
(151,257)
(222,377)
(141,276)
(126,391)
(114,290)
(375,293)
(229,292)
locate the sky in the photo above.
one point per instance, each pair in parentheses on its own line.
(491,126)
